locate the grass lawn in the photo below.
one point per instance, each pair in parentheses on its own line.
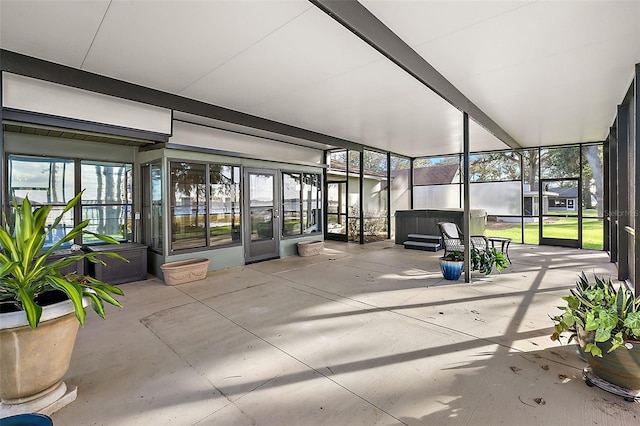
(592,233)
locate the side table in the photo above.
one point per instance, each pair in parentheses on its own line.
(504,245)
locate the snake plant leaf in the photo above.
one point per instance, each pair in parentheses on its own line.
(73,291)
(104,286)
(98,307)
(103,238)
(33,311)
(106,296)
(8,244)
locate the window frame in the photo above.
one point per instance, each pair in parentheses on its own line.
(207,204)
(301,203)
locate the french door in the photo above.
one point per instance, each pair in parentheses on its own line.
(262,215)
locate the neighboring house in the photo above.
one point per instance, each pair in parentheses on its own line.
(553,200)
(437,174)
(566,199)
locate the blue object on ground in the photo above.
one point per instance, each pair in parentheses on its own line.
(27,420)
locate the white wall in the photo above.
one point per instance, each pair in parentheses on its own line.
(29,94)
(204,137)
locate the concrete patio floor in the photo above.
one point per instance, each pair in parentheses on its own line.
(359,335)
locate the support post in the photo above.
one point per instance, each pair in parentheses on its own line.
(466,217)
(636,182)
(3,186)
(622,175)
(613,194)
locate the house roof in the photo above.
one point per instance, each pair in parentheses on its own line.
(571,192)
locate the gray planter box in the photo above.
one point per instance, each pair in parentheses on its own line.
(117,271)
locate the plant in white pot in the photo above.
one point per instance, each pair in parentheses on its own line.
(606,323)
(41,309)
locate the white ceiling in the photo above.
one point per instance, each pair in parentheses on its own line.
(547,72)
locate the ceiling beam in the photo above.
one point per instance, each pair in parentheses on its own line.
(360,21)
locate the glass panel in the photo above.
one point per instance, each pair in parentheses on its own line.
(108,220)
(592,181)
(497,197)
(261,223)
(156,206)
(338,161)
(436,170)
(375,196)
(65,225)
(224,204)
(354,162)
(531,230)
(353,202)
(44,180)
(560,227)
(261,190)
(261,203)
(505,227)
(337,208)
(436,197)
(107,200)
(291,204)
(560,197)
(560,162)
(336,224)
(530,194)
(311,204)
(400,191)
(593,234)
(499,166)
(188,205)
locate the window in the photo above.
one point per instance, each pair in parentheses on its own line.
(291,204)
(106,202)
(224,204)
(204,206)
(188,205)
(301,203)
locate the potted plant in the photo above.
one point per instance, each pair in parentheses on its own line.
(452,265)
(606,323)
(484,261)
(41,309)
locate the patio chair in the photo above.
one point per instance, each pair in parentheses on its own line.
(453,238)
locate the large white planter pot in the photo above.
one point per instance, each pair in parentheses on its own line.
(33,362)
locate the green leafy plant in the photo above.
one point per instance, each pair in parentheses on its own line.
(25,274)
(612,315)
(485,261)
(454,256)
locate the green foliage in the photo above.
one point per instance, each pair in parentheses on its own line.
(454,256)
(612,315)
(485,261)
(25,273)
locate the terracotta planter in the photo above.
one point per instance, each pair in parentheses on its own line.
(310,248)
(184,271)
(620,367)
(34,361)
